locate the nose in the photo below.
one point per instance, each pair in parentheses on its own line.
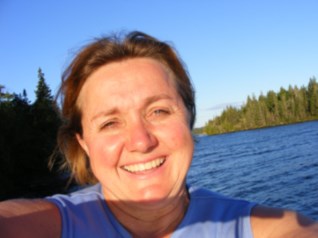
(140,137)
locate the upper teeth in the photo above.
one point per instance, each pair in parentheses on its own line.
(144,166)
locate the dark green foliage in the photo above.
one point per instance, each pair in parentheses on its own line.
(27,139)
(287,106)
(312,97)
(43,92)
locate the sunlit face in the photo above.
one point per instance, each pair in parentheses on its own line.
(136,130)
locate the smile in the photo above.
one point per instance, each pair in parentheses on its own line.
(135,168)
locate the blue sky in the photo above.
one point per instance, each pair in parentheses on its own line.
(232,48)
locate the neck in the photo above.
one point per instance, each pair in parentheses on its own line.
(155,220)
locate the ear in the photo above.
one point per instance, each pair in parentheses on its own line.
(82,143)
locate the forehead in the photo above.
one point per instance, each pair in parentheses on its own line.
(137,74)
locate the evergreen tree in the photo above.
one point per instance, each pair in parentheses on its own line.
(282,107)
(286,106)
(272,106)
(5,96)
(43,92)
(303,102)
(313,96)
(27,139)
(45,122)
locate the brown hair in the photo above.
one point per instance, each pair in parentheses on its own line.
(103,51)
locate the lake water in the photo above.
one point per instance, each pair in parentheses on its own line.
(275,166)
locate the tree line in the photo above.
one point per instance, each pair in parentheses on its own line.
(286,106)
(28,132)
(27,140)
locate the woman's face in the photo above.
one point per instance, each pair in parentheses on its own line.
(136,131)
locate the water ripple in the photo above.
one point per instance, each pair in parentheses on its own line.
(274,166)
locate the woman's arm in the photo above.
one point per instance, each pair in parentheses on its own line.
(29,218)
(274,223)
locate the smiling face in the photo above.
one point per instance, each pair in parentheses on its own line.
(136,131)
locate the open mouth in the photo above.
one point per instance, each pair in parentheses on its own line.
(142,167)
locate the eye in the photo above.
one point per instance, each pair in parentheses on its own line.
(109,125)
(161,112)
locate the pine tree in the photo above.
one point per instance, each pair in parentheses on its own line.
(5,96)
(313,97)
(27,139)
(43,92)
(286,106)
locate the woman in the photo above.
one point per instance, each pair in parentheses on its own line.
(128,107)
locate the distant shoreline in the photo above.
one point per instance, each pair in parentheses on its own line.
(252,129)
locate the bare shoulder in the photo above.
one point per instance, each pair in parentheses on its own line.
(273,222)
(29,218)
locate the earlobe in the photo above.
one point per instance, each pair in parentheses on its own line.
(82,143)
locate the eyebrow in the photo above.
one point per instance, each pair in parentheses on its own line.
(148,101)
(155,98)
(105,113)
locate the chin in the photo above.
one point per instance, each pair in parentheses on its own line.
(155,196)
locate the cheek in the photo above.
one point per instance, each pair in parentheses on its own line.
(105,151)
(178,137)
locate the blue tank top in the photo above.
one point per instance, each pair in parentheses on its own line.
(86,214)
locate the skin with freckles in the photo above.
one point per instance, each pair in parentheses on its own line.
(136,132)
